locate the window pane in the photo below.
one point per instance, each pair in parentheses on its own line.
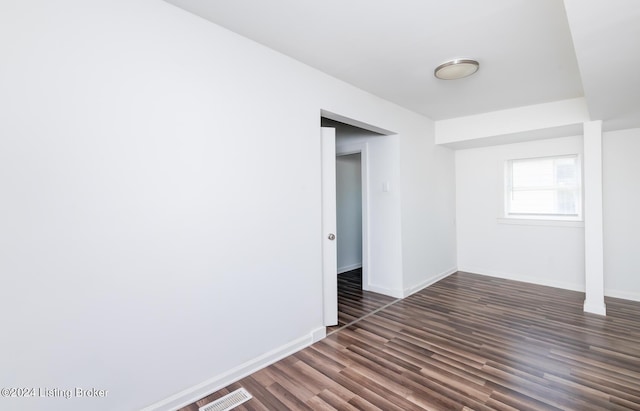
(566,171)
(533,202)
(533,173)
(567,202)
(544,186)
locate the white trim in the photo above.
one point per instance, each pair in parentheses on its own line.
(430,281)
(318,334)
(193,394)
(538,222)
(625,295)
(525,279)
(595,307)
(350,267)
(391,292)
(350,148)
(546,219)
(366,222)
(354,123)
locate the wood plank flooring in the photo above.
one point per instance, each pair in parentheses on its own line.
(353,302)
(468,342)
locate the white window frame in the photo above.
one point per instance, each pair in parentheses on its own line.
(533,218)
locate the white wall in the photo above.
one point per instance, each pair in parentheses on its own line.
(428,192)
(349,212)
(543,254)
(155,230)
(621,192)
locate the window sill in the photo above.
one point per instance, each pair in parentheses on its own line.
(540,222)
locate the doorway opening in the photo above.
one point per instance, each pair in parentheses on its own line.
(353,234)
(349,211)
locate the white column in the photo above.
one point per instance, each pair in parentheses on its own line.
(593,226)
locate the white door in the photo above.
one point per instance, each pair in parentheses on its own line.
(329,249)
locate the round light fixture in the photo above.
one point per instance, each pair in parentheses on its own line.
(455,69)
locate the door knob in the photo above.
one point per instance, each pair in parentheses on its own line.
(332,237)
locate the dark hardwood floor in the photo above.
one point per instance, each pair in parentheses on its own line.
(468,342)
(353,302)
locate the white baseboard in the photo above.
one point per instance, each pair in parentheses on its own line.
(347,268)
(426,283)
(525,279)
(193,394)
(625,295)
(318,334)
(595,307)
(399,293)
(391,292)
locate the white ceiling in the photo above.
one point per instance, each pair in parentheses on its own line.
(529,51)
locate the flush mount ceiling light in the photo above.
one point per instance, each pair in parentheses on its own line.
(455,69)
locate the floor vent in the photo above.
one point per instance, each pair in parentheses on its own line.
(228,402)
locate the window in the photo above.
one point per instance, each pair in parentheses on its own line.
(544,188)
